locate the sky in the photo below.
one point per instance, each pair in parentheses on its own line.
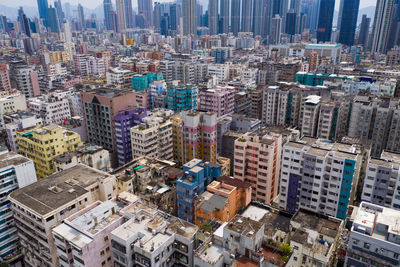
(94,3)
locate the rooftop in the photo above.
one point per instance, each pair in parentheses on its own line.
(378,222)
(49,194)
(240,224)
(324,225)
(110,93)
(11,159)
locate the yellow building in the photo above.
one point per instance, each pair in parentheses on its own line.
(177,138)
(43,143)
(58,56)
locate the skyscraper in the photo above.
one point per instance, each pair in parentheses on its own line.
(189,14)
(276,30)
(24,22)
(4,23)
(60,13)
(108,8)
(279,7)
(81,16)
(224,15)
(173,17)
(291,21)
(43,7)
(364,31)
(380,29)
(158,14)
(52,20)
(213,16)
(325,19)
(347,23)
(235,17)
(129,14)
(394,28)
(247,8)
(121,15)
(145,7)
(311,8)
(259,17)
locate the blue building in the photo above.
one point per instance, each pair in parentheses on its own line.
(219,55)
(196,177)
(348,21)
(182,97)
(325,19)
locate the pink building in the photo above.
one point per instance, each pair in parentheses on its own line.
(220,100)
(5,84)
(142,99)
(199,136)
(83,239)
(258,161)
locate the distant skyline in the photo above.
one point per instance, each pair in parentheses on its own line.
(94,3)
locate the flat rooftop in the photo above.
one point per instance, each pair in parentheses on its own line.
(11,158)
(47,195)
(319,223)
(110,93)
(378,222)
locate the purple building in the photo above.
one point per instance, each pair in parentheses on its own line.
(124,121)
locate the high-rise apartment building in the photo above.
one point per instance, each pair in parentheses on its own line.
(325,20)
(309,115)
(220,100)
(16,172)
(347,21)
(257,161)
(153,137)
(43,143)
(189,15)
(382,180)
(100,107)
(381,27)
(181,97)
(52,108)
(124,121)
(41,206)
(319,176)
(199,136)
(5,84)
(27,81)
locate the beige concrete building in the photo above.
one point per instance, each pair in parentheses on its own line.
(257,161)
(41,206)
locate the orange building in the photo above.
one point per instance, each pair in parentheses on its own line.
(223,199)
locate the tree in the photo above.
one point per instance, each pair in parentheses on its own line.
(286,248)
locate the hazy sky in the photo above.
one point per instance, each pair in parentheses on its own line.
(94,3)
